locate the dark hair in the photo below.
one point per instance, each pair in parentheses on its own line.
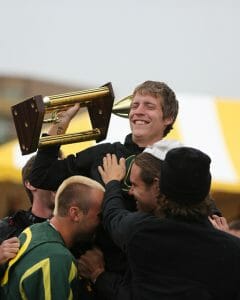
(150,167)
(161,90)
(191,212)
(26,171)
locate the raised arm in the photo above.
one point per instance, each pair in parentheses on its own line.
(117,220)
(48,171)
(64,119)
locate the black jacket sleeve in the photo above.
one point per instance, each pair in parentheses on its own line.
(119,222)
(49,171)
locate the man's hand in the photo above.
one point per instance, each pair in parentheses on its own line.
(219,223)
(111,169)
(64,119)
(8,249)
(91,264)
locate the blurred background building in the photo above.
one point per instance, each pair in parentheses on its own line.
(12,91)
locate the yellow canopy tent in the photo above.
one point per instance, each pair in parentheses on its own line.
(212,125)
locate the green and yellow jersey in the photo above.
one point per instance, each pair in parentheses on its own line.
(43,268)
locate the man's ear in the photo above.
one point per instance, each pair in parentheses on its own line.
(168,121)
(75,213)
(29,186)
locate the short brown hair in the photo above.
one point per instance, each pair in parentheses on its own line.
(75,189)
(159,89)
(191,212)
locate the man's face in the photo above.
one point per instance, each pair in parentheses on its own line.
(146,119)
(145,195)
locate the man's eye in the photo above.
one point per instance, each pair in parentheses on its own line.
(134,105)
(151,106)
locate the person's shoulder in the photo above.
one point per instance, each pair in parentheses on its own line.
(231,238)
(4,221)
(139,220)
(40,234)
(228,240)
(45,239)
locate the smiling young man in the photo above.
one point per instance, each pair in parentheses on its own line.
(152,114)
(145,189)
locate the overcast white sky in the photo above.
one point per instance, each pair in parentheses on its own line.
(194,46)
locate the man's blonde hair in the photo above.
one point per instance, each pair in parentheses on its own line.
(75,189)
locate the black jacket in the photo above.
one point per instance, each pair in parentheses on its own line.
(13,225)
(172,258)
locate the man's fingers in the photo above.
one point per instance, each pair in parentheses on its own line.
(122,163)
(105,163)
(10,255)
(114,159)
(100,170)
(13,240)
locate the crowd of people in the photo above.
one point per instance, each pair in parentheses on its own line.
(121,221)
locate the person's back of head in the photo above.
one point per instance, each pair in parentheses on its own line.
(185,182)
(75,189)
(26,171)
(42,201)
(78,203)
(162,91)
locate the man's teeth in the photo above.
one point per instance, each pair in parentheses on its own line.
(139,122)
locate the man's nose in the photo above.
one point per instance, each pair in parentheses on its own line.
(140,109)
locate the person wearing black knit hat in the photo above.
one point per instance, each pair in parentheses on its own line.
(184,185)
(185,175)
